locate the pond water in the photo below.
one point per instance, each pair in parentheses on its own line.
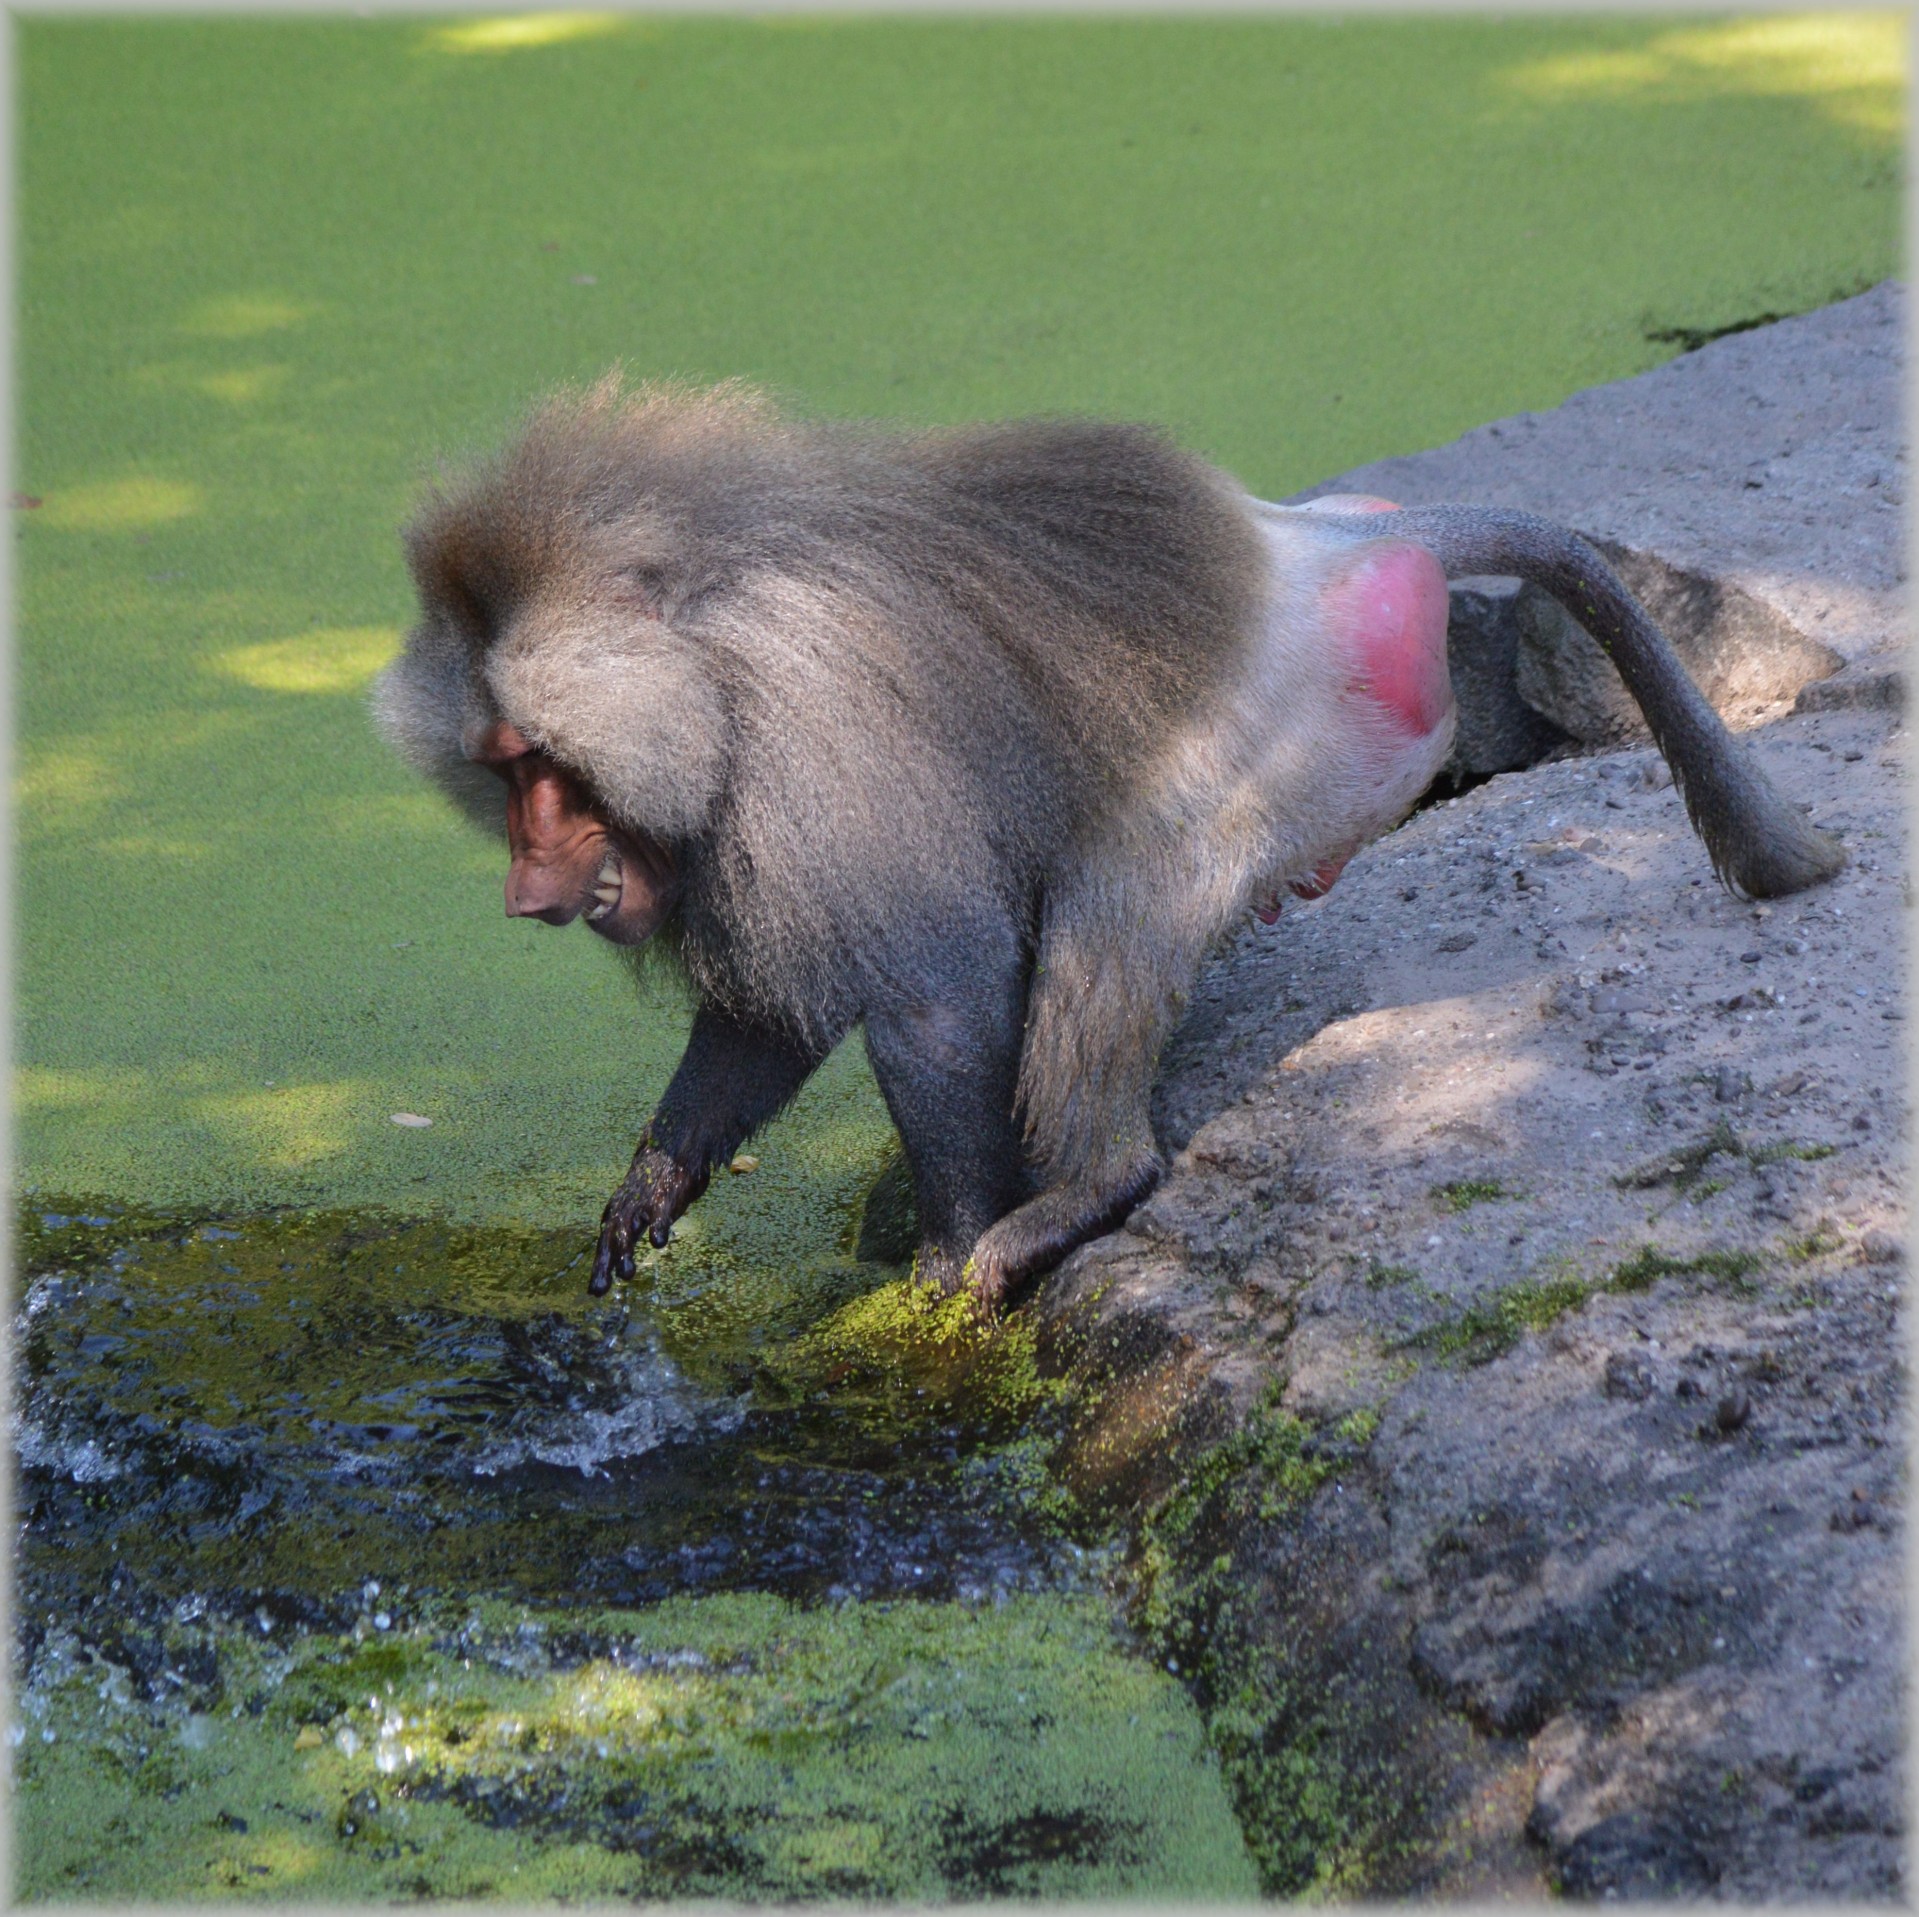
(362,1557)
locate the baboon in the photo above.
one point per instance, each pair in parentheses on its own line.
(975,738)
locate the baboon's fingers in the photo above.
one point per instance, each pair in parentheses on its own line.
(653,1194)
(613,1256)
(986,1283)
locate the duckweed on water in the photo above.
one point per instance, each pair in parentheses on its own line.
(366,1558)
(732,1746)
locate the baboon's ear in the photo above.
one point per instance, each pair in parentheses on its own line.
(454,568)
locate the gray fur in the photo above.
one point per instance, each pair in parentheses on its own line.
(892,682)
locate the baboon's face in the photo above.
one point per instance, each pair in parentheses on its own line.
(568,860)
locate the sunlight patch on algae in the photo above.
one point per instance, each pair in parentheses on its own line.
(292,1126)
(244,316)
(331,659)
(733,1746)
(60,787)
(1850,66)
(511,32)
(150,845)
(132,504)
(243,385)
(236,386)
(41,1088)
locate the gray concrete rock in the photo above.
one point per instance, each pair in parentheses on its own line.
(1742,653)
(1500,729)
(1633,1518)
(1865,684)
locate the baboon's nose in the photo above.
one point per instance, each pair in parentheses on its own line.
(537,890)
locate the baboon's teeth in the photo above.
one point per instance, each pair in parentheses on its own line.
(606,887)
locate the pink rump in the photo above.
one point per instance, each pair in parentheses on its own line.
(1389,611)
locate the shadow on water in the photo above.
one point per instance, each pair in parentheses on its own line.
(627,1596)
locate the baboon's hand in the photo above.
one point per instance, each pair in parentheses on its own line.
(654,1192)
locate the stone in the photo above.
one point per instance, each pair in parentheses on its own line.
(1497,730)
(1852,689)
(1744,655)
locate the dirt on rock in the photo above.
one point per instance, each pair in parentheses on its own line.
(1550,1203)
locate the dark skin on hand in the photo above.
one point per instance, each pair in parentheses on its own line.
(568,861)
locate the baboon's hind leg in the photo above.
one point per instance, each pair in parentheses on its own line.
(1120,946)
(1063,1217)
(949,1072)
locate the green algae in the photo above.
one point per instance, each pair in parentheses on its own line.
(900,1352)
(1308,1751)
(368,1557)
(1273,1463)
(1490,1326)
(734,1746)
(1464,1193)
(1649,1264)
(1685,1168)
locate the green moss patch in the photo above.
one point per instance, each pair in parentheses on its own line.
(902,1353)
(1464,1193)
(1685,1168)
(1307,1751)
(1649,1264)
(1491,1326)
